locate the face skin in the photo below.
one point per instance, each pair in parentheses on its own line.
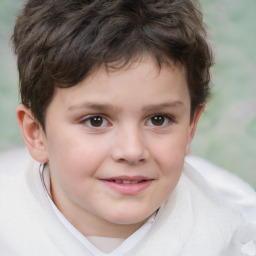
(114,127)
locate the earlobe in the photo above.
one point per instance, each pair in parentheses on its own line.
(193,125)
(33,134)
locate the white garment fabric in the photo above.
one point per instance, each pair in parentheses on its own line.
(194,221)
(240,194)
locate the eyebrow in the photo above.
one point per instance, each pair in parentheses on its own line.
(155,107)
(93,106)
(105,107)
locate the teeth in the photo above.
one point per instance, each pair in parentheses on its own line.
(127,181)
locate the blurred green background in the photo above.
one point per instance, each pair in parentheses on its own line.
(227,131)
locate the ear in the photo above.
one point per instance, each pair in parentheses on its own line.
(193,125)
(33,134)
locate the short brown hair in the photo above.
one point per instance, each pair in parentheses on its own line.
(60,43)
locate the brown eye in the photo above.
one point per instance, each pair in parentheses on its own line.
(159,120)
(96,121)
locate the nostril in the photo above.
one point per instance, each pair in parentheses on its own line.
(129,158)
(130,161)
(129,146)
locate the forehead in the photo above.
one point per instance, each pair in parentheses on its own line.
(142,83)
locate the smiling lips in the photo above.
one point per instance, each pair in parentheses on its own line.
(128,185)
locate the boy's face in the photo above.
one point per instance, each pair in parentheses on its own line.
(116,143)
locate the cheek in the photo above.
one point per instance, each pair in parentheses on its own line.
(170,151)
(75,157)
(169,155)
(74,167)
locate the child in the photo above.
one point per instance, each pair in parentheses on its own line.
(112,91)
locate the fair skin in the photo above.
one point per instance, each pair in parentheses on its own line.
(115,145)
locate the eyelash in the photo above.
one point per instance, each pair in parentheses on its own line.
(103,120)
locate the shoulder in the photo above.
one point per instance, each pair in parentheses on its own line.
(226,218)
(230,187)
(19,180)
(203,195)
(19,184)
(14,167)
(13,161)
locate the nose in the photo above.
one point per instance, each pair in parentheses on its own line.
(130,146)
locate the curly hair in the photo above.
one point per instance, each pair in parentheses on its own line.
(60,43)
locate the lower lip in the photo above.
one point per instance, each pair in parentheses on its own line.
(128,189)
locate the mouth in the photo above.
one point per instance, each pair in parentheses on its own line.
(128,185)
(128,180)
